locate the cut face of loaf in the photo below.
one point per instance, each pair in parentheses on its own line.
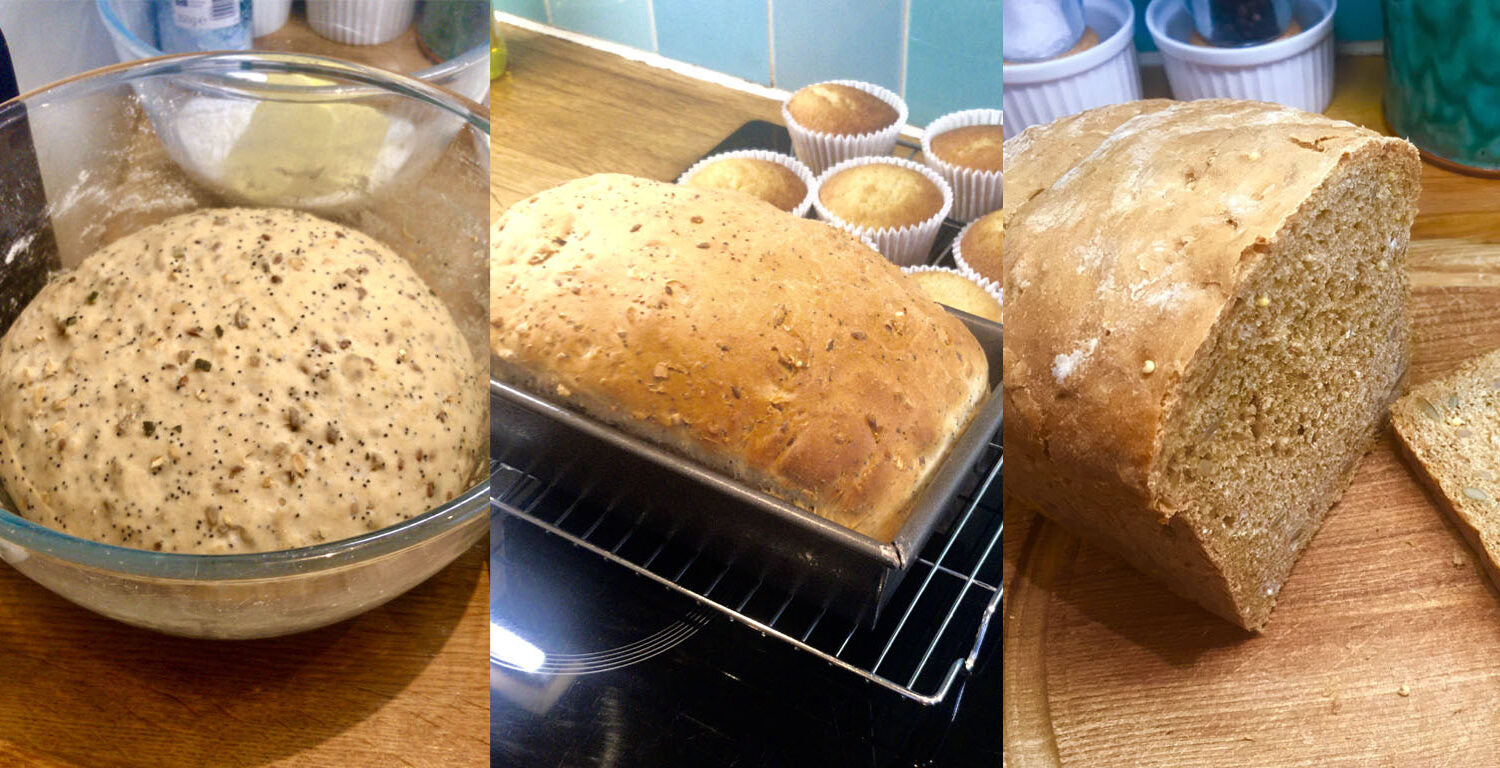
(1450,431)
(775,349)
(1206,320)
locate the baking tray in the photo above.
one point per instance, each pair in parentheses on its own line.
(836,568)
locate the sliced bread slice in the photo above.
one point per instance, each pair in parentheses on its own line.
(1449,430)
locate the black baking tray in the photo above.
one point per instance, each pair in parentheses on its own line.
(819,561)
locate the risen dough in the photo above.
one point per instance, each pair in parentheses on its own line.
(237,380)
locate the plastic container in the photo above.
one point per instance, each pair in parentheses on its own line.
(1296,71)
(1042,91)
(1041,29)
(267,16)
(1240,22)
(360,22)
(465,74)
(190,26)
(106,172)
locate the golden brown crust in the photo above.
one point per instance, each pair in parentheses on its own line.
(1154,262)
(881,196)
(1133,232)
(1068,140)
(777,349)
(840,109)
(983,246)
(979,147)
(764,179)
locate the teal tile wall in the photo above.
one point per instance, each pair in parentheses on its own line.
(953,57)
(724,35)
(837,39)
(943,55)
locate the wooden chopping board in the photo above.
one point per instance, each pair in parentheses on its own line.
(1384,649)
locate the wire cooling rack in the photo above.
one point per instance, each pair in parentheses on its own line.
(929,635)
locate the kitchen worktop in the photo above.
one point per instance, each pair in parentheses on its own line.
(1382,647)
(564,110)
(404,684)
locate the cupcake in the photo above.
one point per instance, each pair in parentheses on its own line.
(841,119)
(952,288)
(898,204)
(778,179)
(980,246)
(967,148)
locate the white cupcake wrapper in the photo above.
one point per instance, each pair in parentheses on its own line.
(787,161)
(360,22)
(904,246)
(975,192)
(970,272)
(823,150)
(989,286)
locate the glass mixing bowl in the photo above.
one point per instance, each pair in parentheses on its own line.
(129,21)
(88,160)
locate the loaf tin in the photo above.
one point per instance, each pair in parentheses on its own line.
(823,563)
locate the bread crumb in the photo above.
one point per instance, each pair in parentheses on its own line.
(1404,690)
(1458,559)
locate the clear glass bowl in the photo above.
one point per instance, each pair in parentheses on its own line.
(88,160)
(465,74)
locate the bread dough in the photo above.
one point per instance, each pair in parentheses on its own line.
(237,380)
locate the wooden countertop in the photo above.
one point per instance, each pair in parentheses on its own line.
(564,110)
(1382,648)
(405,684)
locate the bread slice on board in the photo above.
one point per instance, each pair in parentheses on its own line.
(1206,322)
(1449,430)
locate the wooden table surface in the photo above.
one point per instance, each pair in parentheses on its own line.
(564,110)
(1384,649)
(405,684)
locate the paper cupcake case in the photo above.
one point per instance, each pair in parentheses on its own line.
(787,161)
(987,284)
(821,151)
(975,192)
(996,289)
(904,246)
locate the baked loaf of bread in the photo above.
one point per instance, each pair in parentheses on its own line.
(1450,431)
(237,380)
(778,350)
(1206,316)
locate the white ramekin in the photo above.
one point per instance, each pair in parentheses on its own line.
(821,151)
(989,286)
(267,16)
(904,246)
(360,22)
(975,192)
(791,163)
(1042,91)
(1296,71)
